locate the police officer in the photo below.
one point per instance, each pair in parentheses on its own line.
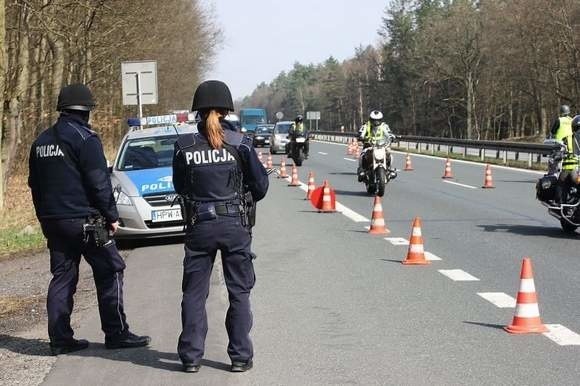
(218,173)
(571,163)
(374,130)
(562,127)
(71,154)
(297,129)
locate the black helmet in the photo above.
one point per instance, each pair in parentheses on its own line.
(299,118)
(564,110)
(576,123)
(212,94)
(75,97)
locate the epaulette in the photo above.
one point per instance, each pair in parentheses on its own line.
(185,140)
(233,138)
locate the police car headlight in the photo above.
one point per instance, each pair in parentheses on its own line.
(122,199)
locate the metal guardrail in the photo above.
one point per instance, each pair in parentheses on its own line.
(503,149)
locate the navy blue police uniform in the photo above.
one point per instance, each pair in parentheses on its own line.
(68,185)
(204,175)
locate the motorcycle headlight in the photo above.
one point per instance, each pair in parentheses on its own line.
(121,198)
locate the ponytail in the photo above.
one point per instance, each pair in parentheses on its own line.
(213,129)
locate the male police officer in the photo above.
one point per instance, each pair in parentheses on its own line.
(571,163)
(562,127)
(298,129)
(70,185)
(372,131)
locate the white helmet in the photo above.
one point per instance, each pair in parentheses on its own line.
(376,115)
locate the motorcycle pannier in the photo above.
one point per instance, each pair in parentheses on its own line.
(546,188)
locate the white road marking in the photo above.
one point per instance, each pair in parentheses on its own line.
(322,153)
(562,335)
(458,275)
(351,160)
(458,184)
(351,214)
(430,256)
(397,240)
(499,299)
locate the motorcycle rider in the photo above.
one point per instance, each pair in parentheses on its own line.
(561,129)
(372,131)
(570,165)
(297,129)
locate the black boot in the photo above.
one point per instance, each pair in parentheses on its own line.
(126,340)
(69,346)
(240,367)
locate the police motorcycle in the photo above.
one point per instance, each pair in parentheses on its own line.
(567,213)
(378,173)
(296,148)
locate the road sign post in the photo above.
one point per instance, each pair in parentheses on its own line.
(139,81)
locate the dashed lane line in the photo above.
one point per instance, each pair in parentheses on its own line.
(562,335)
(432,257)
(458,275)
(458,184)
(350,159)
(322,153)
(397,240)
(499,299)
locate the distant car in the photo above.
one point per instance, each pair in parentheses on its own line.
(262,135)
(280,137)
(142,180)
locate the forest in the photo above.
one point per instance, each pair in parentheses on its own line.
(50,43)
(487,69)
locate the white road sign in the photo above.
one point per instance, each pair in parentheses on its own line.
(139,75)
(313,115)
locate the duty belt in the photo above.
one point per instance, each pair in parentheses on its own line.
(227,209)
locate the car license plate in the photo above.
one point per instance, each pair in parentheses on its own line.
(267,141)
(300,140)
(259,138)
(166,215)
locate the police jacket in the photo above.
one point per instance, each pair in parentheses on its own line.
(72,187)
(572,158)
(203,174)
(297,129)
(562,128)
(369,134)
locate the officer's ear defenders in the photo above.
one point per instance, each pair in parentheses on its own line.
(205,212)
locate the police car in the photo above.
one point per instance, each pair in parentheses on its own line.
(142,177)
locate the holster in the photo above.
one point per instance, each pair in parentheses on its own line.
(95,231)
(250,210)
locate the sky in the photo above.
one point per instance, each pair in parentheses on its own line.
(265,37)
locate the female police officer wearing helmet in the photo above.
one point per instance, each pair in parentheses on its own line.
(211,170)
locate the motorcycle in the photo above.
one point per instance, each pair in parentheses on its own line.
(378,173)
(568,213)
(296,148)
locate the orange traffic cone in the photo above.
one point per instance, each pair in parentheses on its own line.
(295,181)
(408,164)
(488,182)
(377,220)
(448,173)
(350,147)
(261,159)
(311,186)
(269,163)
(283,173)
(527,316)
(416,253)
(327,205)
(356,153)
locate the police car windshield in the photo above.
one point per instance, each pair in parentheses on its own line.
(147,153)
(263,130)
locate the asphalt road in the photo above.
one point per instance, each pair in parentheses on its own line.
(333,305)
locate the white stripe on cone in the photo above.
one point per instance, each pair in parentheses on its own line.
(527,286)
(417,231)
(416,248)
(527,310)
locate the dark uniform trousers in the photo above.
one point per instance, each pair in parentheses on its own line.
(66,245)
(202,241)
